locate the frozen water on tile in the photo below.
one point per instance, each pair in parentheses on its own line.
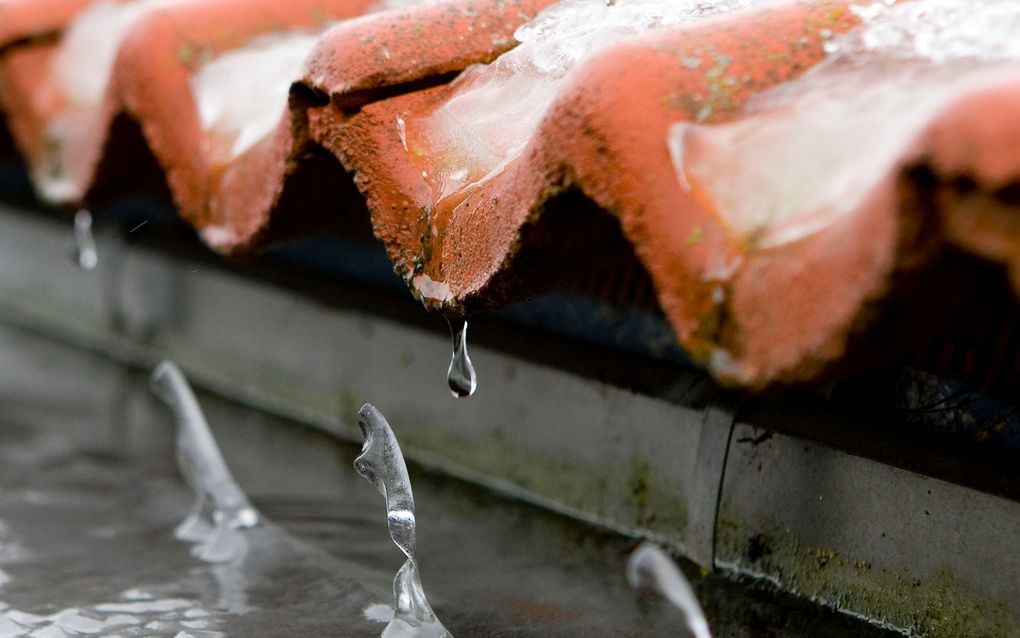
(89,45)
(382,464)
(221,512)
(808,152)
(495,109)
(81,68)
(650,568)
(934,30)
(242,94)
(399,5)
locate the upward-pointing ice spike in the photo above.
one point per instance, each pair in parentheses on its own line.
(221,509)
(650,568)
(382,464)
(85,253)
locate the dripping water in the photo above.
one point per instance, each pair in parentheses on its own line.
(85,254)
(382,464)
(461,374)
(650,568)
(221,509)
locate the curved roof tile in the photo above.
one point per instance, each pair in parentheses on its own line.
(789,225)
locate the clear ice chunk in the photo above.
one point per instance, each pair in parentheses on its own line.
(81,69)
(495,109)
(242,94)
(461,375)
(382,464)
(813,150)
(650,568)
(88,47)
(85,254)
(221,511)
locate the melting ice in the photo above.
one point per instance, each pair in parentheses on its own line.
(85,254)
(650,568)
(81,68)
(495,109)
(242,94)
(808,152)
(221,511)
(382,464)
(461,374)
(88,48)
(137,614)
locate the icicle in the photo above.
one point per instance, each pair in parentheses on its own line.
(382,464)
(85,254)
(650,568)
(221,509)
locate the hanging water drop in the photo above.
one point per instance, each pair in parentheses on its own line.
(461,375)
(650,568)
(85,254)
(382,464)
(221,509)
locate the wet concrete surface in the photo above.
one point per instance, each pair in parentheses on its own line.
(89,497)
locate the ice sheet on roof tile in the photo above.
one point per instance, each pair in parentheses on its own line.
(89,47)
(399,5)
(811,151)
(81,70)
(495,109)
(242,94)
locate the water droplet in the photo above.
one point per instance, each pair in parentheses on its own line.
(85,254)
(382,464)
(221,509)
(650,568)
(461,375)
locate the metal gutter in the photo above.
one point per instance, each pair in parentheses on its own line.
(779,500)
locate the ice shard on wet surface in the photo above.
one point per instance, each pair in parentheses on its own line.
(650,568)
(221,509)
(85,253)
(382,464)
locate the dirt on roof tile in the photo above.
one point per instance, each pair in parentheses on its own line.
(805,191)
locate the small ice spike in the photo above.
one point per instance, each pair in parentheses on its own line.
(650,568)
(221,509)
(382,464)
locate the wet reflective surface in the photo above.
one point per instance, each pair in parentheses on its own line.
(90,497)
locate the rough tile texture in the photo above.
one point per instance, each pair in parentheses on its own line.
(797,209)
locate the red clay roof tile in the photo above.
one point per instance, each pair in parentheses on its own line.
(604,135)
(32,19)
(242,203)
(786,220)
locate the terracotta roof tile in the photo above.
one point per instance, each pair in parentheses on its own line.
(242,201)
(604,134)
(789,220)
(22,20)
(384,54)
(151,85)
